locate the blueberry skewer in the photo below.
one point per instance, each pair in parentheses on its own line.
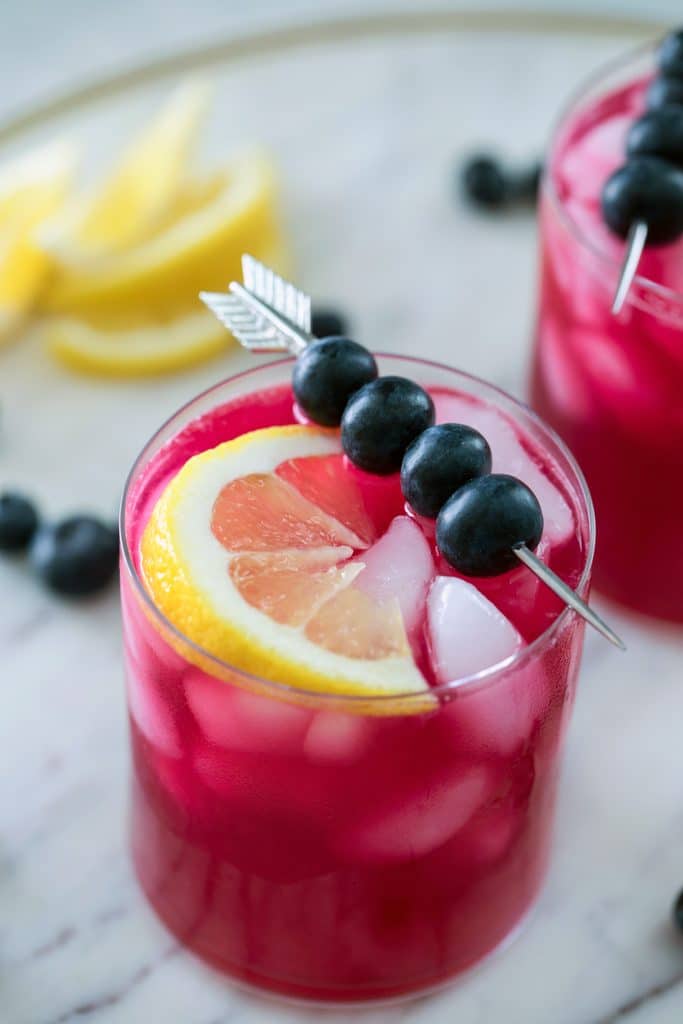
(642,201)
(382,419)
(664,91)
(491,521)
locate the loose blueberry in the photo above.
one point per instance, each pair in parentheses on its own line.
(658,133)
(670,57)
(76,556)
(664,92)
(329,323)
(648,189)
(525,185)
(677,911)
(484,181)
(382,420)
(327,373)
(481,524)
(18,521)
(438,462)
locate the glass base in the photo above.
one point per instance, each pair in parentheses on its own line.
(289,993)
(264,990)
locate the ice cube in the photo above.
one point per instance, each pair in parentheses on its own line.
(182,798)
(420,821)
(587,289)
(558,519)
(521,597)
(399,565)
(335,736)
(256,784)
(151,708)
(626,381)
(242,720)
(510,456)
(563,379)
(489,838)
(467,633)
(498,716)
(591,158)
(149,645)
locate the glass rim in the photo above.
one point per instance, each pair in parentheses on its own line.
(487,675)
(572,103)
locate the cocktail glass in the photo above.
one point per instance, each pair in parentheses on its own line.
(612,385)
(345,849)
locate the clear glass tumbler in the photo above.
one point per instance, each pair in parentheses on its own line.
(330,848)
(612,385)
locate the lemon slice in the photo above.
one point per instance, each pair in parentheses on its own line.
(258,574)
(127,206)
(33,183)
(198,245)
(134,351)
(32,187)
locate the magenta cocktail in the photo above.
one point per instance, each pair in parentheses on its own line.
(330,845)
(612,385)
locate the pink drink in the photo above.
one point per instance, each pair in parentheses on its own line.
(612,386)
(320,847)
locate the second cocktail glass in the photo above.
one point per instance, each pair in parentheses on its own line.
(612,385)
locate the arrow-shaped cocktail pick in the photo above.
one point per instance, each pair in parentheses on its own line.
(268,314)
(635,243)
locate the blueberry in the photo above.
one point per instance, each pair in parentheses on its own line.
(677,911)
(525,185)
(76,556)
(329,323)
(663,92)
(649,189)
(382,420)
(670,57)
(484,520)
(658,133)
(327,373)
(485,182)
(439,461)
(18,521)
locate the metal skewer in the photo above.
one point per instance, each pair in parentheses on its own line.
(269,314)
(565,592)
(635,243)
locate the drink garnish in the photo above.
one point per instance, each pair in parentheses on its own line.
(642,201)
(269,314)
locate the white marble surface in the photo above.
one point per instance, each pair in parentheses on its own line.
(369,219)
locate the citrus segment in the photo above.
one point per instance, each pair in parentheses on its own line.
(134,349)
(286,590)
(200,248)
(259,576)
(31,188)
(33,184)
(325,480)
(353,625)
(126,207)
(260,512)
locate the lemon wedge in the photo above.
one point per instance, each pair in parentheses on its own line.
(128,205)
(198,245)
(32,187)
(258,575)
(135,350)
